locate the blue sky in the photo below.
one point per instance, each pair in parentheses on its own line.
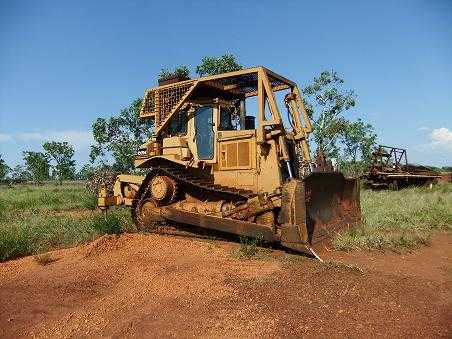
(65,63)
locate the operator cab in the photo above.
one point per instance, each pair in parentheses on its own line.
(178,125)
(231,119)
(203,123)
(215,121)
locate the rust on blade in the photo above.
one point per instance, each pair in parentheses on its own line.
(332,204)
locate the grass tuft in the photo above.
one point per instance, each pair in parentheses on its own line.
(88,201)
(45,259)
(249,248)
(14,243)
(109,225)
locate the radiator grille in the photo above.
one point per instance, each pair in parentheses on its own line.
(235,155)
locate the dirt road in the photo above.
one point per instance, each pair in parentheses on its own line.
(149,285)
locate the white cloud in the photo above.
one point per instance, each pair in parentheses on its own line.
(30,136)
(441,135)
(79,139)
(5,137)
(439,144)
(441,139)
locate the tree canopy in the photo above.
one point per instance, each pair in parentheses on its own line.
(216,65)
(359,139)
(4,168)
(86,172)
(37,164)
(61,153)
(19,173)
(326,101)
(180,71)
(117,138)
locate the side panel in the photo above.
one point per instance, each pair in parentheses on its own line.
(269,172)
(236,165)
(177,147)
(239,179)
(237,154)
(243,163)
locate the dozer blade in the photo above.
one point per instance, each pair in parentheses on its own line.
(317,208)
(332,205)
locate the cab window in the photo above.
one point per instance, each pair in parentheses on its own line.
(227,122)
(178,125)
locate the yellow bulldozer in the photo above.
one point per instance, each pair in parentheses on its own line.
(212,164)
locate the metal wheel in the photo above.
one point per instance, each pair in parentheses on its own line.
(163,189)
(146,214)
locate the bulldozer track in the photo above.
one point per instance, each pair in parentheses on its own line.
(179,174)
(184,179)
(182,230)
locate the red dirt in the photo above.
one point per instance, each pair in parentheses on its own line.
(151,285)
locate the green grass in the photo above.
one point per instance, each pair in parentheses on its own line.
(250,248)
(44,197)
(402,219)
(35,219)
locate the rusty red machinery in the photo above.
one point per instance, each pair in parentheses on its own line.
(446,177)
(390,169)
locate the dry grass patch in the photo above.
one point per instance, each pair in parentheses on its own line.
(400,220)
(45,259)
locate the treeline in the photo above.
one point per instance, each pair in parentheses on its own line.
(54,162)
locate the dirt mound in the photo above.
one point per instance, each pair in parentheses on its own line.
(137,285)
(104,244)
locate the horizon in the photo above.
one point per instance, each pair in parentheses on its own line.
(65,64)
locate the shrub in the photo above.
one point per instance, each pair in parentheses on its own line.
(109,225)
(249,247)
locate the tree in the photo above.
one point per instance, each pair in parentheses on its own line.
(119,137)
(86,172)
(4,168)
(37,164)
(326,101)
(216,65)
(61,154)
(181,71)
(359,139)
(19,173)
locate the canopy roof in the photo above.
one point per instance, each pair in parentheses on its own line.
(162,102)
